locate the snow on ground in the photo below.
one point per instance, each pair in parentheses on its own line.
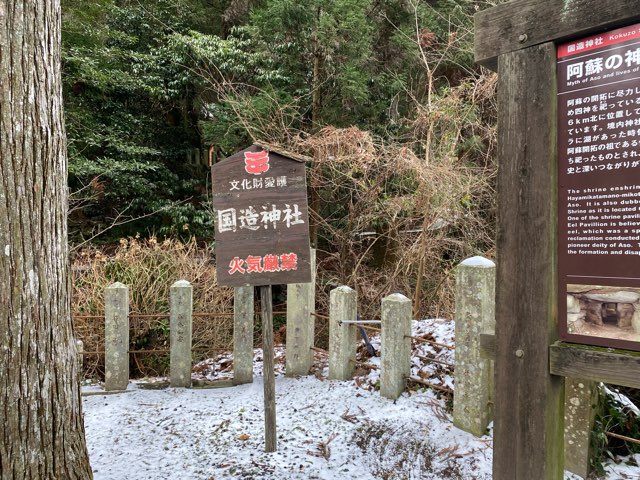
(326,429)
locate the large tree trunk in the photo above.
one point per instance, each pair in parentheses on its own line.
(41,427)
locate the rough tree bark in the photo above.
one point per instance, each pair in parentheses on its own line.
(41,427)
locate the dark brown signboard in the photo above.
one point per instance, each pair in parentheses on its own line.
(261,219)
(598,80)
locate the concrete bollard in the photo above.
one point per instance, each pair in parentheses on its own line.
(116,337)
(342,337)
(581,401)
(180,326)
(475,314)
(243,313)
(396,346)
(301,324)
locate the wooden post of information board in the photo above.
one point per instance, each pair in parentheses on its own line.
(519,39)
(529,401)
(268,370)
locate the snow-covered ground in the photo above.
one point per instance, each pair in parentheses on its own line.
(326,429)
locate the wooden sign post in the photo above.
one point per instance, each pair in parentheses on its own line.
(519,39)
(262,238)
(270,439)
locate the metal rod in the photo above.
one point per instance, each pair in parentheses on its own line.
(417,339)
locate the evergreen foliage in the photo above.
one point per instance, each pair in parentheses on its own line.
(150,85)
(132,111)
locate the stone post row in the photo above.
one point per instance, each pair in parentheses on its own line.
(396,344)
(474,384)
(243,314)
(180,325)
(475,314)
(116,329)
(116,337)
(342,337)
(395,361)
(301,324)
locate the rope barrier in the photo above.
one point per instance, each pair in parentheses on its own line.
(160,350)
(166,315)
(364,365)
(424,340)
(431,385)
(435,360)
(373,329)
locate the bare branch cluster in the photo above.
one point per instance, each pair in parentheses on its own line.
(385,209)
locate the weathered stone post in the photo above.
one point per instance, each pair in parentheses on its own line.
(342,336)
(243,313)
(116,337)
(581,401)
(396,346)
(475,314)
(181,307)
(301,298)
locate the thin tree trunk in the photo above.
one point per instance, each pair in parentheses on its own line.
(316,97)
(41,427)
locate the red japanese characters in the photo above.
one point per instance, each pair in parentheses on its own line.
(256,162)
(269,263)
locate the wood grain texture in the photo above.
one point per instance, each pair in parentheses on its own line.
(618,367)
(523,23)
(528,440)
(270,439)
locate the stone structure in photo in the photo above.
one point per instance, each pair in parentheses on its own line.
(603,306)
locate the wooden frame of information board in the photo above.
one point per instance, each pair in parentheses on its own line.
(262,238)
(519,39)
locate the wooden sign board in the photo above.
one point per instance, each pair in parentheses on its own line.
(598,79)
(522,39)
(261,219)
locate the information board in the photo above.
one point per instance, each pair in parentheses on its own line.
(261,219)
(598,82)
